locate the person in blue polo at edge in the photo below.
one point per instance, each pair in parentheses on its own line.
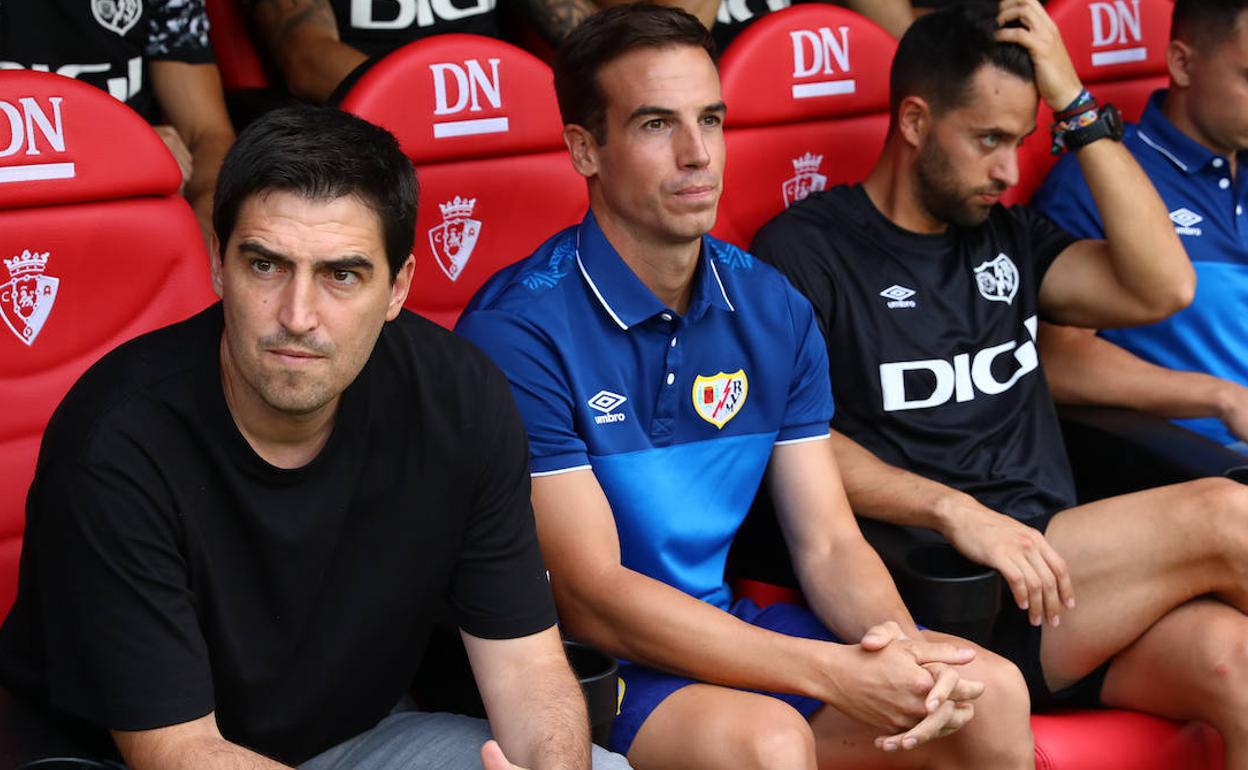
(1190,142)
(660,373)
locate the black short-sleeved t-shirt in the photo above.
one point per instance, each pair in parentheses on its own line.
(169,571)
(931,342)
(377,27)
(107,43)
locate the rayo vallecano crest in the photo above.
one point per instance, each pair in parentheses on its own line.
(453,240)
(807,181)
(997,279)
(717,399)
(118,16)
(27,299)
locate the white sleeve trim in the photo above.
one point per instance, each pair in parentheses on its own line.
(803,440)
(561,470)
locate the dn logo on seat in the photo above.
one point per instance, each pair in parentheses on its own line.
(29,130)
(460,88)
(1116,26)
(823,54)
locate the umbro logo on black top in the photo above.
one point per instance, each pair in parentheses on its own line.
(899,296)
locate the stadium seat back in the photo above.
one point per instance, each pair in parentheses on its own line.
(479,119)
(1119,50)
(807,96)
(97,248)
(238,55)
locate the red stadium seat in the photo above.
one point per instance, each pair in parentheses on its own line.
(98,247)
(235,47)
(1119,49)
(479,120)
(807,96)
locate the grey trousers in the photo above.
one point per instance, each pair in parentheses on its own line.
(416,740)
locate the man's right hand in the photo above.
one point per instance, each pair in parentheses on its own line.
(890,685)
(1036,574)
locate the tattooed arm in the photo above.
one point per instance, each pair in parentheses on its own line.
(554,19)
(303,37)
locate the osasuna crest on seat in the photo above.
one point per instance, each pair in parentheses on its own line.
(717,399)
(452,241)
(27,299)
(997,279)
(807,181)
(118,16)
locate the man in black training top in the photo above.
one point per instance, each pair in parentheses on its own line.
(241,525)
(929,294)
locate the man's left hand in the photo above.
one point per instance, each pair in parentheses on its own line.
(1056,79)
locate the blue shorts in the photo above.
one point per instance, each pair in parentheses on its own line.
(643,689)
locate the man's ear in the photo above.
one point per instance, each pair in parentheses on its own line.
(914,120)
(582,148)
(215,258)
(1179,57)
(401,286)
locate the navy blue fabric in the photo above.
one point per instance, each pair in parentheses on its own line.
(643,689)
(1208,211)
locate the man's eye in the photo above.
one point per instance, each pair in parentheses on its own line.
(262,266)
(990,140)
(654,124)
(345,277)
(712,120)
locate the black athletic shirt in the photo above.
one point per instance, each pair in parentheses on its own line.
(107,43)
(377,27)
(168,570)
(931,342)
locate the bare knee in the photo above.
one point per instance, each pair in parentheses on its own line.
(999,736)
(1222,665)
(1223,504)
(778,738)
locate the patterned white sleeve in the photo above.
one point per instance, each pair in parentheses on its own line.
(178,29)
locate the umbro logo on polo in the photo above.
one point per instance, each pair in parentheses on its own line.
(1185,221)
(899,296)
(605,401)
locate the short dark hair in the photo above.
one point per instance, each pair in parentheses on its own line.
(321,153)
(941,52)
(1205,23)
(603,38)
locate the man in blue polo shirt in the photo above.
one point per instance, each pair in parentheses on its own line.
(1190,141)
(660,373)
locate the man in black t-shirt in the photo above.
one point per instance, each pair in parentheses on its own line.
(243,525)
(151,54)
(319,44)
(929,293)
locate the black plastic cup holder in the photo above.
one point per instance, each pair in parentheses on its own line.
(597,673)
(947,592)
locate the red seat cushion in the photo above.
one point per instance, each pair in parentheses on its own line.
(807,96)
(478,118)
(98,247)
(238,57)
(1119,50)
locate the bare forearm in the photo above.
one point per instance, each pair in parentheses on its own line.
(550,727)
(851,591)
(1085,369)
(207,152)
(885,492)
(194,746)
(1147,258)
(303,37)
(556,18)
(656,625)
(893,15)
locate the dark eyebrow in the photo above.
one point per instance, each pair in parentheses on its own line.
(348,262)
(664,112)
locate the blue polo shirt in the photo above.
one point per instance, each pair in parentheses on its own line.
(676,414)
(1208,210)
